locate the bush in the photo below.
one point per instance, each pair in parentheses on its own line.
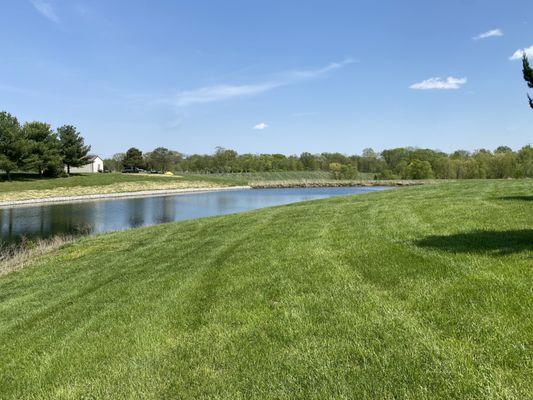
(418,170)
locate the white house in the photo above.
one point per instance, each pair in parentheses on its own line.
(94,164)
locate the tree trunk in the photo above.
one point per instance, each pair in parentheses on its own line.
(68,169)
(8,175)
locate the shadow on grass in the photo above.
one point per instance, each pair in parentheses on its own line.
(517,198)
(499,242)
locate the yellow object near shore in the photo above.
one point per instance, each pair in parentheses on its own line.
(168,173)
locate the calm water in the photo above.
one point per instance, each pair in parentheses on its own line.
(110,215)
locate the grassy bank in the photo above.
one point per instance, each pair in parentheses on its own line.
(281,176)
(25,187)
(417,293)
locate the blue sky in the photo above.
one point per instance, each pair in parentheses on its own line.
(270,76)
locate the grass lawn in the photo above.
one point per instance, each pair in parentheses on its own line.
(413,293)
(28,186)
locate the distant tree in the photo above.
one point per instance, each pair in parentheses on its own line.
(348,171)
(223,160)
(133,158)
(503,165)
(460,155)
(163,159)
(528,76)
(503,149)
(118,159)
(525,161)
(72,147)
(418,169)
(369,161)
(13,147)
(308,161)
(335,169)
(114,163)
(44,148)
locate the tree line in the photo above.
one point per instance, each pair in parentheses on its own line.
(397,163)
(35,147)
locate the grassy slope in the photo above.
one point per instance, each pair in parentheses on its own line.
(29,186)
(284,176)
(418,293)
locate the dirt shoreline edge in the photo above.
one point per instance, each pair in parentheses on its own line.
(319,184)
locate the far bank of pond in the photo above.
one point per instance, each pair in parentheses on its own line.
(99,216)
(335,183)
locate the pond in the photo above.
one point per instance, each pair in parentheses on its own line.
(98,216)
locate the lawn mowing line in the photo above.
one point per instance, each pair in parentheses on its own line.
(382,297)
(217,263)
(431,340)
(168,296)
(37,292)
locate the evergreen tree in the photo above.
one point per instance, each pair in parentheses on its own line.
(13,147)
(44,156)
(528,76)
(72,147)
(133,158)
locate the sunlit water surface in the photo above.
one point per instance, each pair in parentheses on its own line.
(100,216)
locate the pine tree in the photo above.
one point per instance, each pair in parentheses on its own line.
(133,158)
(72,147)
(13,147)
(528,76)
(44,154)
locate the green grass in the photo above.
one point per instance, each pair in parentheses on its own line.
(27,187)
(282,176)
(413,293)
(23,182)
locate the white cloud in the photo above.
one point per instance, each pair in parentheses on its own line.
(45,9)
(440,84)
(518,54)
(261,126)
(489,34)
(222,92)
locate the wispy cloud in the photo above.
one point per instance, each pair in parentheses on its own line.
(489,34)
(45,9)
(261,126)
(225,92)
(518,54)
(449,83)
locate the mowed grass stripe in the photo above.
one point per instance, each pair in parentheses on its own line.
(339,298)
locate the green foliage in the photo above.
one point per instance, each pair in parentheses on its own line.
(525,162)
(335,169)
(528,76)
(416,293)
(35,147)
(418,169)
(44,148)
(72,147)
(13,147)
(342,171)
(161,159)
(389,164)
(133,158)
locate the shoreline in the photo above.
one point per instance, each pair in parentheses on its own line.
(117,195)
(170,192)
(325,184)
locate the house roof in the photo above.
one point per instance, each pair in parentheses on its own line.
(92,157)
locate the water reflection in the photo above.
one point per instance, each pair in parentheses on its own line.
(110,215)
